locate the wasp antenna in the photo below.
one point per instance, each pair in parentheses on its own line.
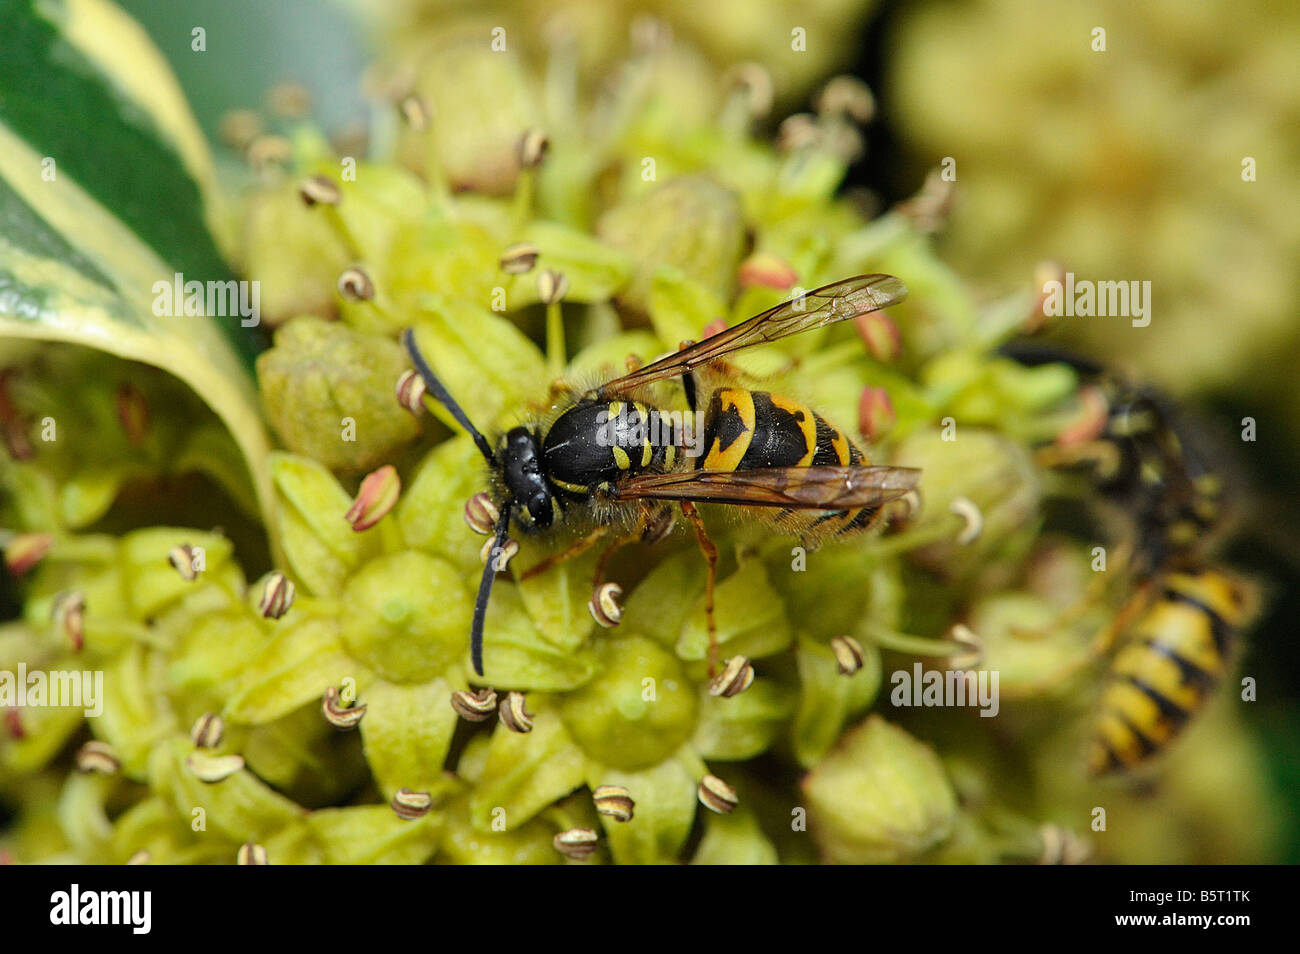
(485,589)
(435,388)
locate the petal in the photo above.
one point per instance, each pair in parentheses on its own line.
(406,732)
(526,772)
(665,797)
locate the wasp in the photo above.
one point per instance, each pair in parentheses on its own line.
(1178,630)
(599,458)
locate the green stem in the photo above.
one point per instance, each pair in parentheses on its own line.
(912,645)
(555,352)
(522,206)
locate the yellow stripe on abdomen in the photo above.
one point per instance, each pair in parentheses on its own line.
(728,458)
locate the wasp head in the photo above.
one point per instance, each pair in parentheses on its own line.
(520,459)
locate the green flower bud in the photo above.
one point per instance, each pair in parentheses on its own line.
(294,254)
(741,727)
(523,773)
(464,843)
(328,392)
(240,806)
(136,713)
(690,223)
(406,732)
(829,697)
(1035,639)
(407,617)
(356,835)
(152,582)
(981,485)
(639,711)
(734,839)
(34,735)
(481,103)
(880,797)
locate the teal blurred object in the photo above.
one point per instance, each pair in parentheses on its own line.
(253,46)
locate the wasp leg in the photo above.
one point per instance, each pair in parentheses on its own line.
(688,385)
(654,523)
(598,578)
(1133,607)
(710,552)
(574,549)
(1102,455)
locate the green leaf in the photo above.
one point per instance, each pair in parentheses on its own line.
(105,190)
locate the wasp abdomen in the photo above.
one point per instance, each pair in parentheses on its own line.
(750,430)
(1166,672)
(746,430)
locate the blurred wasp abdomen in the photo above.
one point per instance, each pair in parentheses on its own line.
(1167,668)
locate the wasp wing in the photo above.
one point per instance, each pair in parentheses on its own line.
(797,488)
(837,301)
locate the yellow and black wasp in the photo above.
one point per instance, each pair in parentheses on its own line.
(1181,624)
(606,459)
